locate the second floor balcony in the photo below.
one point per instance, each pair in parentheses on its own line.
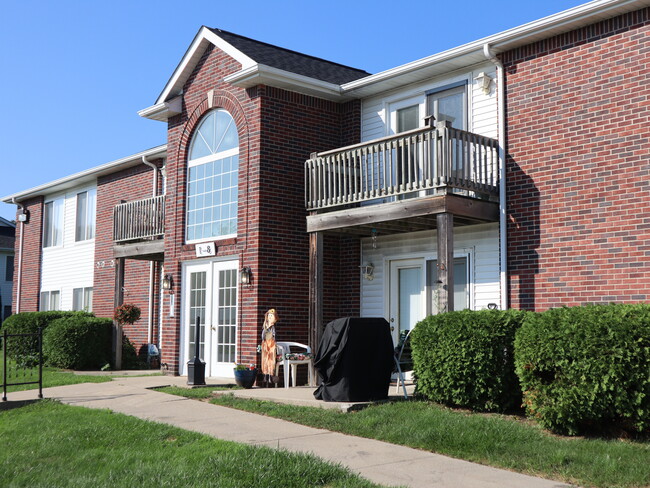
(405,176)
(139,228)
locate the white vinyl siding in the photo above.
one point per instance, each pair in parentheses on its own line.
(71,264)
(479,242)
(482,108)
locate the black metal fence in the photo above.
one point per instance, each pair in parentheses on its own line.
(22,361)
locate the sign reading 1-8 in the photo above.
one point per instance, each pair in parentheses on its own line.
(206,249)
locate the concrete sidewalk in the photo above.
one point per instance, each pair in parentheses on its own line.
(378,461)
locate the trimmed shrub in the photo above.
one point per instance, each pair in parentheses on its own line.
(78,342)
(24,350)
(586,369)
(466,359)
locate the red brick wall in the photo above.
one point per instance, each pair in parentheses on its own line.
(127,185)
(277,132)
(578,108)
(30,281)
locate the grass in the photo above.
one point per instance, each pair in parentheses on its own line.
(202,393)
(47,444)
(51,377)
(496,440)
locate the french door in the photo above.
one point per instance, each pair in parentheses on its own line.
(210,296)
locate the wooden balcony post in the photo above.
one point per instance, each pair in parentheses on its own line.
(118,300)
(315,289)
(445,222)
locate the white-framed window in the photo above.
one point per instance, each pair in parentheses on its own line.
(213,167)
(82,299)
(53,223)
(50,300)
(85,218)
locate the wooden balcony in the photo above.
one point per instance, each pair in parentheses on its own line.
(401,182)
(139,228)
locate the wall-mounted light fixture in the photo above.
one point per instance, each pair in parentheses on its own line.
(368,271)
(168,283)
(245,276)
(484,82)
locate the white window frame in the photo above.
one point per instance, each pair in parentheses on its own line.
(89,216)
(228,153)
(45,303)
(86,304)
(393,106)
(54,226)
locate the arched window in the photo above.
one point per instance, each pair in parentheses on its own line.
(213,165)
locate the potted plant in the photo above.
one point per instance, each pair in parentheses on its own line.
(245,375)
(127,313)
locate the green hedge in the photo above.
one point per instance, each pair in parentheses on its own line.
(466,359)
(23,350)
(586,369)
(78,342)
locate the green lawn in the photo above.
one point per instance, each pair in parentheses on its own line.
(51,377)
(47,444)
(495,440)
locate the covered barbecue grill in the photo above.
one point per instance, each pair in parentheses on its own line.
(354,360)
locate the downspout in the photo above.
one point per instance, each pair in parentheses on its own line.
(501,121)
(152,264)
(20,256)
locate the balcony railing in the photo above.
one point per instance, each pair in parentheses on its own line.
(139,219)
(428,161)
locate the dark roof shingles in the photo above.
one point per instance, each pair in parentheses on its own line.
(292,61)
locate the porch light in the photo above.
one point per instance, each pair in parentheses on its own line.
(168,283)
(245,276)
(484,82)
(368,271)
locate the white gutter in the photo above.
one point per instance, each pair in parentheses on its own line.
(152,264)
(501,122)
(20,257)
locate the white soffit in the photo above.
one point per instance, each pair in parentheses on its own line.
(472,53)
(88,175)
(261,74)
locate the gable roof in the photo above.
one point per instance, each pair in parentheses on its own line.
(291,61)
(274,66)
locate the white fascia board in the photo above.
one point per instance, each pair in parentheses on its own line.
(552,25)
(261,74)
(192,56)
(163,110)
(87,175)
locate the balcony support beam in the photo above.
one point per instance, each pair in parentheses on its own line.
(315,289)
(445,238)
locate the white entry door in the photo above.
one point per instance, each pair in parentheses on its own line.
(407,295)
(210,293)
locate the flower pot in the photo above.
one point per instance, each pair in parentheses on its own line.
(245,377)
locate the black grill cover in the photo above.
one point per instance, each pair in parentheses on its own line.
(354,360)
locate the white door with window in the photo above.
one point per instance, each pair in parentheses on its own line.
(413,291)
(407,297)
(210,293)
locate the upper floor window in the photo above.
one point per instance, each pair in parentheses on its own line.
(85,219)
(449,104)
(213,166)
(53,223)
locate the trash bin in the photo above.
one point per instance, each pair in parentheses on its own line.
(153,356)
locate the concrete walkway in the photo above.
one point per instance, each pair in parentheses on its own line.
(378,461)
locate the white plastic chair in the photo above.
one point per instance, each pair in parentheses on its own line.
(284,348)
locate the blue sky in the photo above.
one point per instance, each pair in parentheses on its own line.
(74,73)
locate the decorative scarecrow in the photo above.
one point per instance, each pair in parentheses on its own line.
(268,345)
